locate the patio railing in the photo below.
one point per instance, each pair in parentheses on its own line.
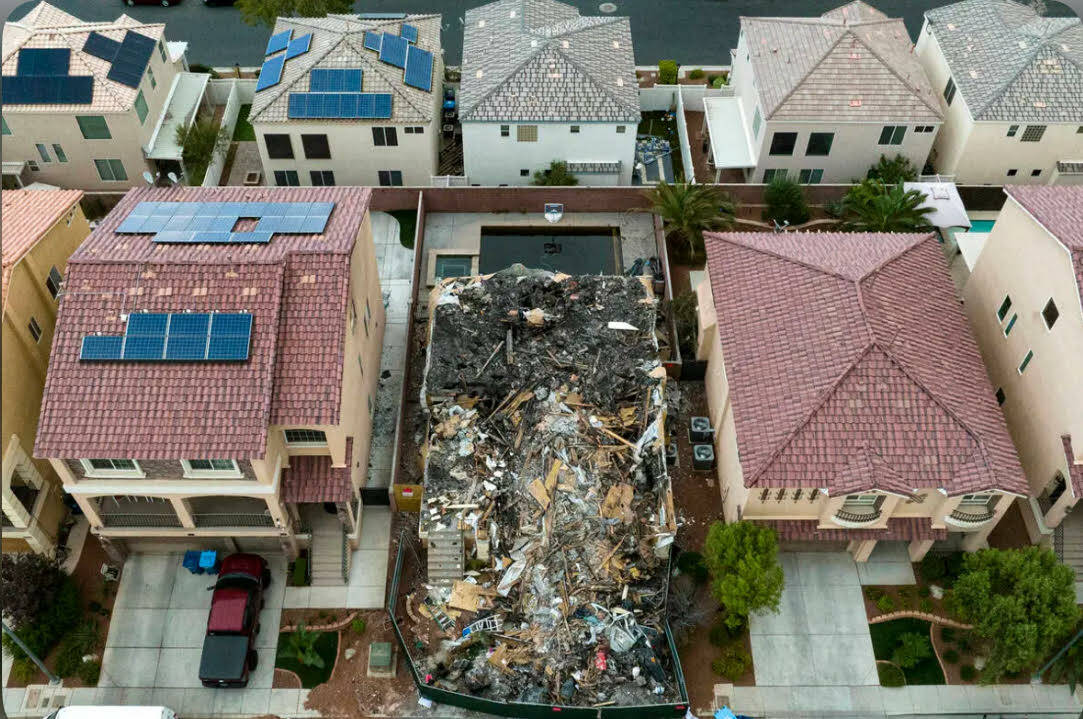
(861,517)
(233,519)
(140,519)
(972,517)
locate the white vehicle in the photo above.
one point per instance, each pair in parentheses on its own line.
(118,712)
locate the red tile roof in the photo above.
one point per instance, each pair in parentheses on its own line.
(313,479)
(898,528)
(851,366)
(1059,209)
(295,287)
(25,218)
(1075,471)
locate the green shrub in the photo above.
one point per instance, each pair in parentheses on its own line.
(885,604)
(912,648)
(951,656)
(692,564)
(890,675)
(924,591)
(873,594)
(947,634)
(358,625)
(908,595)
(967,672)
(300,572)
(926,605)
(732,662)
(23,670)
(933,567)
(74,646)
(667,72)
(954,565)
(696,74)
(785,200)
(718,82)
(89,673)
(965,641)
(719,634)
(55,620)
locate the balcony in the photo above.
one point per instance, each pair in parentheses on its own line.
(969,517)
(137,512)
(856,517)
(230,512)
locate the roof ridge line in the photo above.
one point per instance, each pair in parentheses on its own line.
(375,67)
(284,87)
(805,76)
(827,394)
(883,61)
(730,238)
(464,111)
(103,79)
(593,80)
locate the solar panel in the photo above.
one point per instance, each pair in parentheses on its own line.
(270,73)
(43,61)
(47,90)
(177,336)
(278,42)
(339,105)
(393,50)
(213,222)
(299,46)
(373,41)
(419,68)
(334,80)
(409,32)
(101,47)
(101,348)
(131,59)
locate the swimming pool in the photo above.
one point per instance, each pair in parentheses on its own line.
(578,251)
(982,225)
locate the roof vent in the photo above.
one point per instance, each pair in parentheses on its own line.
(1039,103)
(951,26)
(565,44)
(854,56)
(620,81)
(533,43)
(512,13)
(616,44)
(481,23)
(479,73)
(856,102)
(973,73)
(1022,44)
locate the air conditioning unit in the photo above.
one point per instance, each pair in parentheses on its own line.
(700,430)
(702,457)
(671,454)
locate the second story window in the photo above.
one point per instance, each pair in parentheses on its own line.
(1033,133)
(1026,361)
(141,107)
(150,76)
(305,438)
(112,468)
(949,91)
(819,143)
(211,468)
(278,146)
(316,147)
(4,123)
(575,129)
(385,137)
(782,143)
(53,282)
(93,127)
(892,134)
(505,130)
(161,51)
(1013,130)
(757,121)
(34,329)
(1004,308)
(1050,313)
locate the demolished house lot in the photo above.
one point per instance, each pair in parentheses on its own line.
(547,516)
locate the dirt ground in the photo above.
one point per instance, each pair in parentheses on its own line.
(92,587)
(695,493)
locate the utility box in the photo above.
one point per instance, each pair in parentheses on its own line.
(381,660)
(671,454)
(700,431)
(703,457)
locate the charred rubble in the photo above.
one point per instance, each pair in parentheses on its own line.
(547,511)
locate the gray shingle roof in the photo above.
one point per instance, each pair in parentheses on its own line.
(538,60)
(1011,64)
(851,64)
(338,42)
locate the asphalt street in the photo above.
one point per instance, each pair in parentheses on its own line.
(689,31)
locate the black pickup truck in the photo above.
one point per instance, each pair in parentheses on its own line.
(229,653)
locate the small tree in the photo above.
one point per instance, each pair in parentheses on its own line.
(265,12)
(201,141)
(29,583)
(1021,600)
(873,206)
(683,309)
(785,200)
(689,210)
(684,613)
(913,647)
(667,72)
(302,645)
(743,560)
(556,175)
(897,170)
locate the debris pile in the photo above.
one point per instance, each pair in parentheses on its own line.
(547,512)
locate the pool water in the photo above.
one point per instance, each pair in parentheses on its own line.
(578,251)
(982,225)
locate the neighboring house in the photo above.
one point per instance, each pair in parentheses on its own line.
(351,100)
(208,386)
(88,105)
(1023,301)
(822,98)
(540,84)
(849,401)
(1011,84)
(41,228)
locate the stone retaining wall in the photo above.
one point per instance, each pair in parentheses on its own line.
(332,627)
(913,614)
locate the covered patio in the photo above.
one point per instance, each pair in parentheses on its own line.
(186,98)
(731,146)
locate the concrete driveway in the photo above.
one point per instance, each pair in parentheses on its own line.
(820,638)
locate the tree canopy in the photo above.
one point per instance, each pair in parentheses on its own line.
(29,583)
(556,175)
(1021,600)
(785,200)
(894,171)
(265,12)
(745,574)
(201,141)
(874,206)
(687,211)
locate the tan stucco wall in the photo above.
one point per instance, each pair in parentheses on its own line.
(1024,261)
(24,361)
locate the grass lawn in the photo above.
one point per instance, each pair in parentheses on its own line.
(326,647)
(243,131)
(407,226)
(885,637)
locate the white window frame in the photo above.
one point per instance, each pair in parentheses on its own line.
(190,473)
(90,471)
(976,500)
(860,500)
(285,438)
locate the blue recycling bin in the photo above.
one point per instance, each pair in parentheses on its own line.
(191,561)
(208,561)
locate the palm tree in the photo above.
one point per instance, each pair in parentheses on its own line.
(873,206)
(687,211)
